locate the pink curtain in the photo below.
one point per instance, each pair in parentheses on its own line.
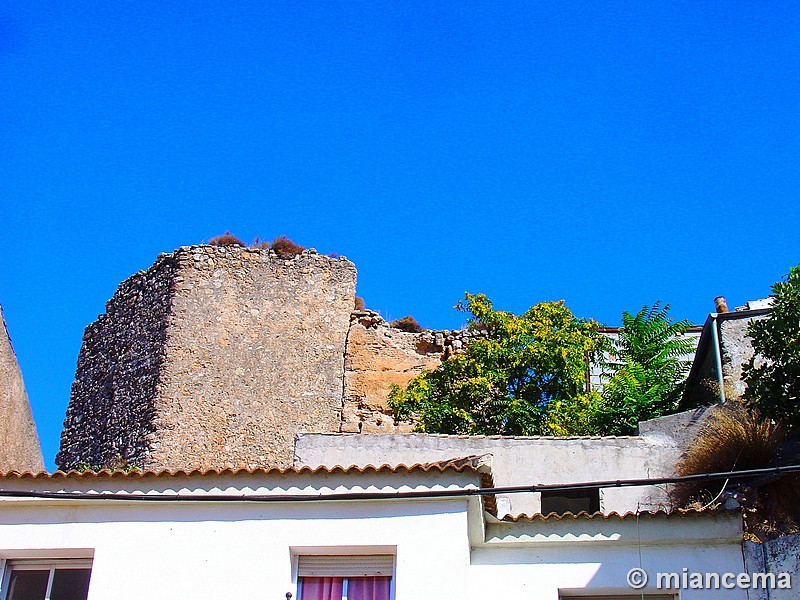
(368,588)
(322,588)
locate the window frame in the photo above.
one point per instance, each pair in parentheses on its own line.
(345,552)
(39,564)
(593,494)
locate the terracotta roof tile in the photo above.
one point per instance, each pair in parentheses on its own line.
(468,464)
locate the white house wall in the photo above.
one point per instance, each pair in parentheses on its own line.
(444,548)
(232,550)
(199,551)
(539,573)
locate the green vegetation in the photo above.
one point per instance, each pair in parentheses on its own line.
(773,375)
(117,465)
(648,373)
(505,381)
(527,375)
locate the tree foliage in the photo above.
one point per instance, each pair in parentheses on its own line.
(514,379)
(647,377)
(773,374)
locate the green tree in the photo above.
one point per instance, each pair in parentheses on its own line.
(648,375)
(504,381)
(773,374)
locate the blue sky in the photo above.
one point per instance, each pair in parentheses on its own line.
(610,154)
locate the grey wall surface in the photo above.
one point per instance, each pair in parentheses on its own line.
(516,461)
(781,555)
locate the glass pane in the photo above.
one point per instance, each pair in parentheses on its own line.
(321,588)
(70,584)
(28,585)
(368,588)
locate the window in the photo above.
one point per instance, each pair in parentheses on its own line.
(47,580)
(345,577)
(573,501)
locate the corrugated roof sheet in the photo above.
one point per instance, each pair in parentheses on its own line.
(662,512)
(470,464)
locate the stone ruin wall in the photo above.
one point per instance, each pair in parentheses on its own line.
(110,417)
(736,348)
(379,355)
(19,444)
(217,356)
(255,351)
(214,357)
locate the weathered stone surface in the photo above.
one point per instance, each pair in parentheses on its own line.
(214,357)
(19,444)
(110,415)
(378,356)
(737,350)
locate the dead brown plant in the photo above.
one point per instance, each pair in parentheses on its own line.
(736,438)
(286,248)
(226,239)
(407,323)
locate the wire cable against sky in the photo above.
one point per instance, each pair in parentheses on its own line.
(399,495)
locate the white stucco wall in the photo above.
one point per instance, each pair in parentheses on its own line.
(539,573)
(229,550)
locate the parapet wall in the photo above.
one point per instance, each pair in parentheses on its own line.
(516,461)
(19,444)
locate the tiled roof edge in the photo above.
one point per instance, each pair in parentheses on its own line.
(662,512)
(468,464)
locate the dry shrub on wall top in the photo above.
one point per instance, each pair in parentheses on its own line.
(735,438)
(286,248)
(359,304)
(226,239)
(407,323)
(259,243)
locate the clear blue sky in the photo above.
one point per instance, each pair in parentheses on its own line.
(607,153)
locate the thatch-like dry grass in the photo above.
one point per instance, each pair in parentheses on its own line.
(736,438)
(407,323)
(285,248)
(226,239)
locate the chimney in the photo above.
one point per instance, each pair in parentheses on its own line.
(721,304)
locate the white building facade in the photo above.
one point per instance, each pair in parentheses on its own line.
(386,533)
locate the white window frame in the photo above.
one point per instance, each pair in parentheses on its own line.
(9,565)
(346,572)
